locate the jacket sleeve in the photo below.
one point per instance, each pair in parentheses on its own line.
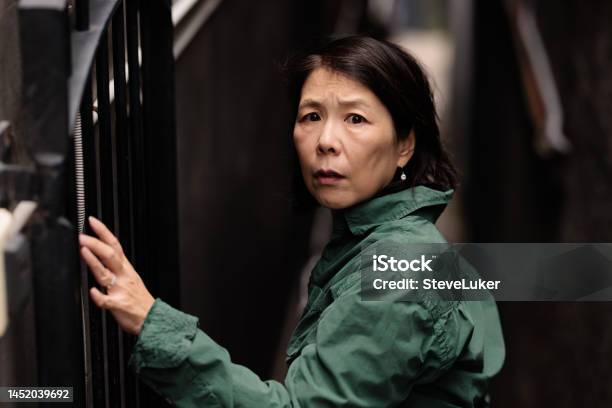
(366,354)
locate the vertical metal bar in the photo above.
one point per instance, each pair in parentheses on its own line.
(105,131)
(124,174)
(124,179)
(158,92)
(96,331)
(138,242)
(108,195)
(138,170)
(159,156)
(89,163)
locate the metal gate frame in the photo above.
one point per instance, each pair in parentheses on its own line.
(126,176)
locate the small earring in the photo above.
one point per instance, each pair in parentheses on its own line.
(403,176)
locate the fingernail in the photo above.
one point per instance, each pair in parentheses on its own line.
(91,217)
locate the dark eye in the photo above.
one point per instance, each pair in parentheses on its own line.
(311,117)
(356,119)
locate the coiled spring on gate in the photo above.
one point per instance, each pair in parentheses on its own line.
(79,173)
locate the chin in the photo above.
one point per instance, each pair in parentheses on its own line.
(334,201)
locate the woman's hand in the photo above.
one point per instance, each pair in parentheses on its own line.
(126,296)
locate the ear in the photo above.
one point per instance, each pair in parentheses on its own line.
(405,149)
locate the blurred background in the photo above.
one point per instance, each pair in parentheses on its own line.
(523,90)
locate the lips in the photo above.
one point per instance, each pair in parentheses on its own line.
(327,173)
(327,177)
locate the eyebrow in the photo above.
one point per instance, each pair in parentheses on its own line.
(312,103)
(346,102)
(354,102)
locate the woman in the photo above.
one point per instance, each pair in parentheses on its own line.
(369,149)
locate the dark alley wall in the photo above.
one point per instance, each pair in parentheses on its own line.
(558,354)
(241,243)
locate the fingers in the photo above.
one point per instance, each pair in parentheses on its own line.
(105,234)
(109,256)
(100,299)
(103,276)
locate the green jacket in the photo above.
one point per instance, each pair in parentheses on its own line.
(345,352)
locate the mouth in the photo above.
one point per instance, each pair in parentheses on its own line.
(328,176)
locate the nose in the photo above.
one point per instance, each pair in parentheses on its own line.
(329,142)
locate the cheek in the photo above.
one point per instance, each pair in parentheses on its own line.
(374,165)
(304,142)
(303,148)
(373,157)
(300,143)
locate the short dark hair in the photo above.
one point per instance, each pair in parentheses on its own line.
(398,80)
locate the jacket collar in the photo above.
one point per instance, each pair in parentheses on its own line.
(390,207)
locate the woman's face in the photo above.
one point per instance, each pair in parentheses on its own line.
(345,140)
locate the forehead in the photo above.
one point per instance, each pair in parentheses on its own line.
(324,83)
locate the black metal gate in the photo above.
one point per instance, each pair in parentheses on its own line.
(98,139)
